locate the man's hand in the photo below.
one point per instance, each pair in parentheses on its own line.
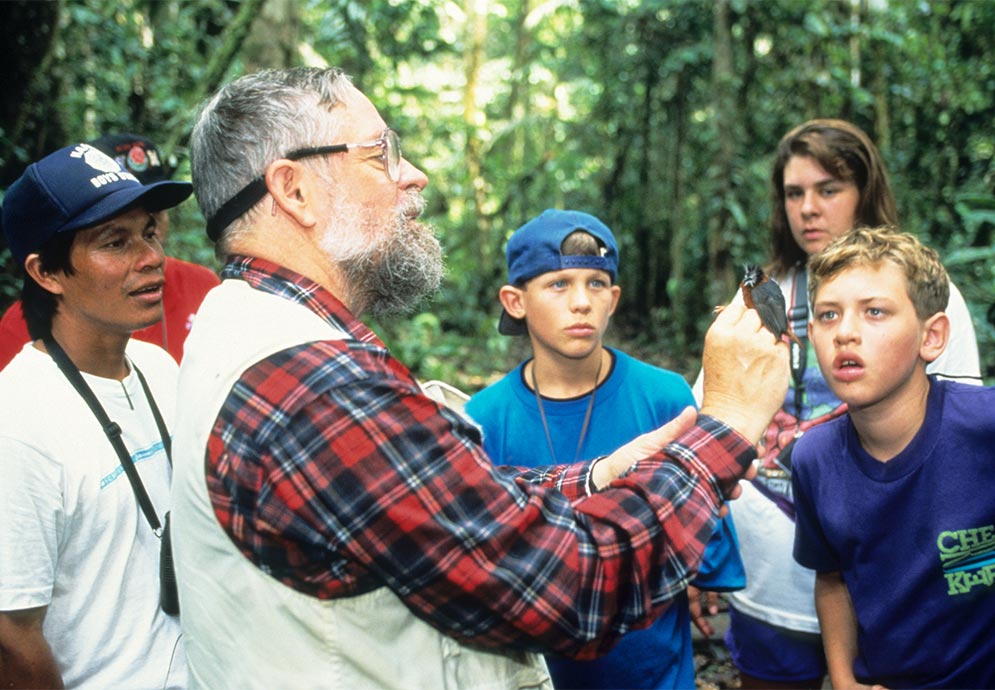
(649,444)
(641,447)
(699,613)
(746,371)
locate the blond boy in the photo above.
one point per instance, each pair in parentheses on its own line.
(894,499)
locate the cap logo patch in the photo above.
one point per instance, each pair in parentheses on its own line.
(140,159)
(98,160)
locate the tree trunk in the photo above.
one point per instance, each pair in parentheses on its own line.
(217,68)
(720,228)
(31,127)
(683,307)
(272,40)
(649,235)
(473,117)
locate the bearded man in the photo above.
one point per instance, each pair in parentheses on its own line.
(333,525)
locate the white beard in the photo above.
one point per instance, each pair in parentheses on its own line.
(388,267)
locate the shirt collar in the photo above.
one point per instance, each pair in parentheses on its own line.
(280,281)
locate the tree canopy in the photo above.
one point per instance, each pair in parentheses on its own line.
(658,116)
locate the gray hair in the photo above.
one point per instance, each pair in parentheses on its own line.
(255,120)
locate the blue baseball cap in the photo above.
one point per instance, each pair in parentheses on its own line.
(74,188)
(535,248)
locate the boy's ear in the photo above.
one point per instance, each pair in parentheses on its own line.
(935,335)
(48,281)
(512,300)
(616,293)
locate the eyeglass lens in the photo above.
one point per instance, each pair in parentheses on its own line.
(392,155)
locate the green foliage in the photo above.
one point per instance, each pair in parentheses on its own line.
(619,107)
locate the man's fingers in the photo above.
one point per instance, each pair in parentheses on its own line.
(698,613)
(654,441)
(712,602)
(746,371)
(730,314)
(641,447)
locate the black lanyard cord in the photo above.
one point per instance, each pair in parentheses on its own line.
(113,430)
(798,317)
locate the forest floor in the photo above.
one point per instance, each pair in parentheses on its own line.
(713,668)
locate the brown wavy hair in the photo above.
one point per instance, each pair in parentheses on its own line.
(844,151)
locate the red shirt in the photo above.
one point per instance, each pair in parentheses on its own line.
(186,285)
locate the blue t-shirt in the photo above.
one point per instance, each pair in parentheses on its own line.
(635,398)
(914,539)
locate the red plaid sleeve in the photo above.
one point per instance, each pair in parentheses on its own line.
(330,470)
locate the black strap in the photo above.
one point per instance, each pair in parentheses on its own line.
(587,415)
(159,421)
(798,318)
(112,429)
(235,208)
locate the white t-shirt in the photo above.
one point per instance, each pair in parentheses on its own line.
(72,536)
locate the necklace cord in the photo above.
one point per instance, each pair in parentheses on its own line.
(587,415)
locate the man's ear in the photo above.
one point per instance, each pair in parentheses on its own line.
(292,190)
(512,299)
(935,335)
(49,281)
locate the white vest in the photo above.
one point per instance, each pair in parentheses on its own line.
(244,629)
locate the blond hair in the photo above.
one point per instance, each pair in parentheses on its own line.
(926,279)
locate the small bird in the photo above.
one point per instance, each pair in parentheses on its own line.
(763,295)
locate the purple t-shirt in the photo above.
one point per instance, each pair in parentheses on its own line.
(914,539)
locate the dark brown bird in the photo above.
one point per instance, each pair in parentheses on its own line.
(764,295)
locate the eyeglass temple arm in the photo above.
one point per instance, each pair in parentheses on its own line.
(254,191)
(297,154)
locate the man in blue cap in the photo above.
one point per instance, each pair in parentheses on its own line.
(576,398)
(186,283)
(79,557)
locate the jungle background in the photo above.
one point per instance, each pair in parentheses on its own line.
(659,116)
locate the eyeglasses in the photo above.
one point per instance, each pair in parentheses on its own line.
(247,197)
(390,152)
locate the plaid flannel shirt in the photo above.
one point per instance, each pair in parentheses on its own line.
(330,471)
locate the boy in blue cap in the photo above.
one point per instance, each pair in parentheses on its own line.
(576,398)
(79,562)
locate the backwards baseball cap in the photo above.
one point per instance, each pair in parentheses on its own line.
(136,154)
(536,248)
(74,188)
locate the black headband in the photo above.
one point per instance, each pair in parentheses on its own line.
(251,193)
(235,207)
